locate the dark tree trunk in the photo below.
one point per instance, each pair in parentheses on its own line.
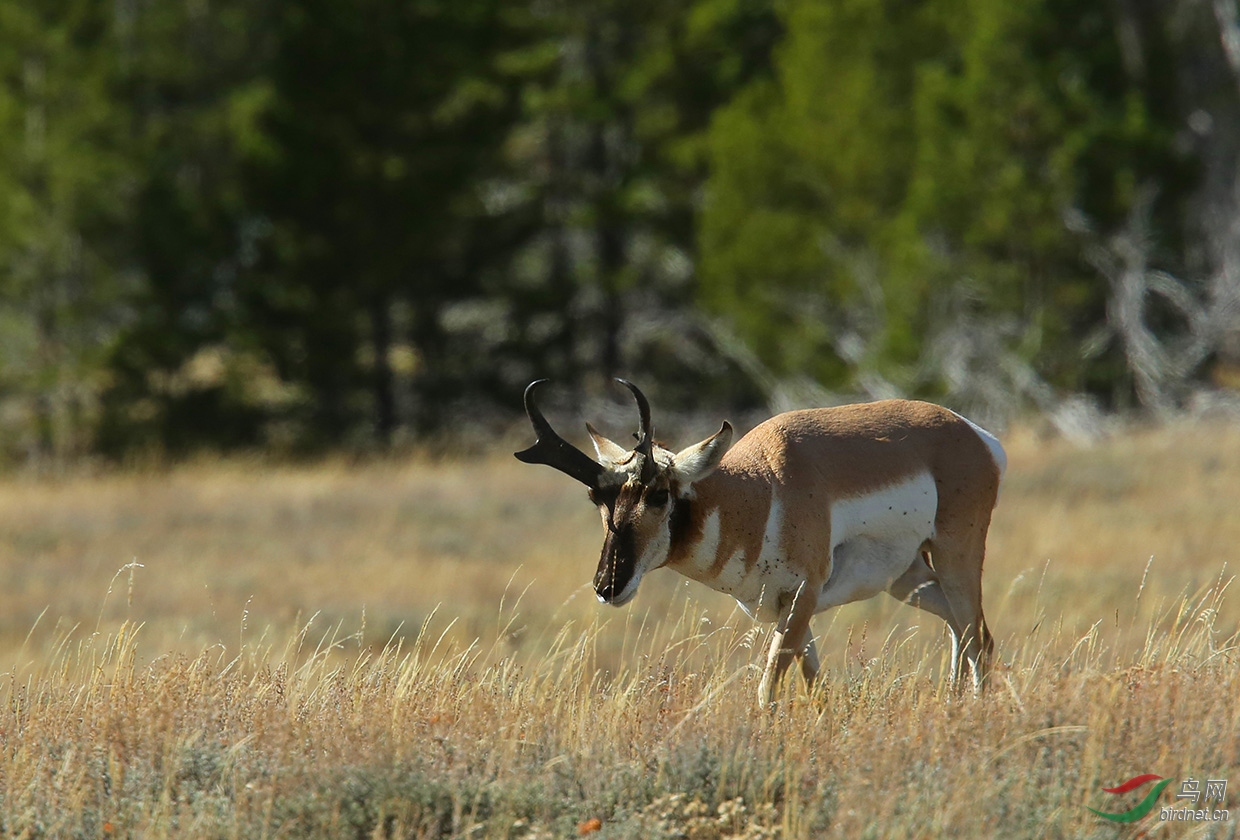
(611,261)
(560,274)
(607,171)
(428,384)
(382,381)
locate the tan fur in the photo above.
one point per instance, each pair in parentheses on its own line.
(909,487)
(812,458)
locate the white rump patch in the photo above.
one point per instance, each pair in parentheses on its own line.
(992,443)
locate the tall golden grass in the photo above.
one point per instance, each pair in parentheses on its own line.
(412,650)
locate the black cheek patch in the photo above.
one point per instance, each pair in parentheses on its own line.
(680,519)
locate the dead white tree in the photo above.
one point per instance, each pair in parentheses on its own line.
(1195,317)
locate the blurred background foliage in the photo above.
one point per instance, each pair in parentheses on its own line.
(314,223)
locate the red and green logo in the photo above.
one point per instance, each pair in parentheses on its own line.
(1143,807)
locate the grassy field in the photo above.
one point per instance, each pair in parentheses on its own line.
(412,650)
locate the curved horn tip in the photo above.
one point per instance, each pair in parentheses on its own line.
(531,406)
(645,431)
(642,402)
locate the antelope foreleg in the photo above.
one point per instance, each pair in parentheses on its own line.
(791,639)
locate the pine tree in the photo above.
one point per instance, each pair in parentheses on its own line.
(65,179)
(912,154)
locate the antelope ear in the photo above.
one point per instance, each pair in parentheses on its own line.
(609,452)
(698,461)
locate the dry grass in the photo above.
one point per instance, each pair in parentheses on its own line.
(412,650)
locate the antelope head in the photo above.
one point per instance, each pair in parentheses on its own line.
(638,491)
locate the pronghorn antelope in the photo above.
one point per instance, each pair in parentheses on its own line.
(810,510)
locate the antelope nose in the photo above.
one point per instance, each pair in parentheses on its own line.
(605,588)
(611,585)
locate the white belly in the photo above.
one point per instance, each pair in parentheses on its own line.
(876,537)
(874,540)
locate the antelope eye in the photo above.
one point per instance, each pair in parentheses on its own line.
(658,498)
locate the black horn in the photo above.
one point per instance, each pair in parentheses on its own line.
(555,451)
(645,436)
